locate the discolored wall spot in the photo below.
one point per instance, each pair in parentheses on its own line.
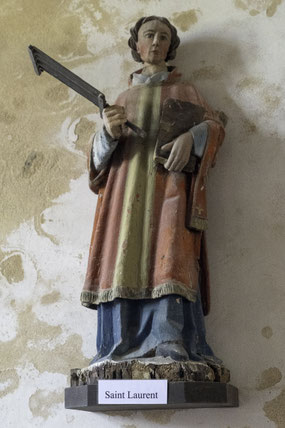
(41,403)
(39,220)
(71,40)
(57,94)
(162,417)
(32,164)
(123,414)
(275,410)
(84,130)
(240,4)
(248,83)
(34,122)
(272,8)
(249,127)
(43,219)
(278,229)
(9,382)
(184,20)
(206,73)
(48,299)
(269,378)
(69,418)
(31,345)
(268,92)
(128,426)
(255,7)
(254,12)
(12,268)
(19,102)
(267,332)
(101,17)
(7,117)
(272,101)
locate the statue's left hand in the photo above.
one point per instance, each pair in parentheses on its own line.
(180,149)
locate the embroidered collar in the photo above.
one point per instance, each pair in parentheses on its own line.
(169,76)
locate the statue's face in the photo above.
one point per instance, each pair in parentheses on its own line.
(154,38)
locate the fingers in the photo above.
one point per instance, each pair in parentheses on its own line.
(167,147)
(115,115)
(114,118)
(115,108)
(114,111)
(175,165)
(179,155)
(175,161)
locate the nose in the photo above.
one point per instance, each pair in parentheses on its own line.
(155,41)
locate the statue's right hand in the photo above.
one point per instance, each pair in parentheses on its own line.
(114,117)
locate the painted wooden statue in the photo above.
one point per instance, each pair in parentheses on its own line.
(147,273)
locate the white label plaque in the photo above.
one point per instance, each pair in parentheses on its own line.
(132,391)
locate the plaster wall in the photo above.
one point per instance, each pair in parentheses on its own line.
(233,50)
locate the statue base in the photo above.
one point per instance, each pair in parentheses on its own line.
(181,395)
(151,368)
(190,384)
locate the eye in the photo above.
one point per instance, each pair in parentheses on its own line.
(149,35)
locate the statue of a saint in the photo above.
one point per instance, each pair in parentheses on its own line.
(147,273)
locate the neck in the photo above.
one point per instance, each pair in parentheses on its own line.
(150,69)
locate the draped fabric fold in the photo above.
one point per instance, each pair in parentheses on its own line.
(148,227)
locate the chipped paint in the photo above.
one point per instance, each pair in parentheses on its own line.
(84,129)
(50,298)
(269,378)
(275,410)
(11,267)
(41,403)
(33,333)
(185,20)
(39,220)
(9,381)
(267,332)
(38,168)
(101,18)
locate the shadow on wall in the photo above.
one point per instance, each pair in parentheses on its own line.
(243,193)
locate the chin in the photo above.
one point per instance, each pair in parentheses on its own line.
(155,61)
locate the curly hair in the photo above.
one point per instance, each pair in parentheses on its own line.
(175,41)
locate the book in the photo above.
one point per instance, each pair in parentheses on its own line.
(177,117)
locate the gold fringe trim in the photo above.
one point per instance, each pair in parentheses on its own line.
(92,299)
(198,223)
